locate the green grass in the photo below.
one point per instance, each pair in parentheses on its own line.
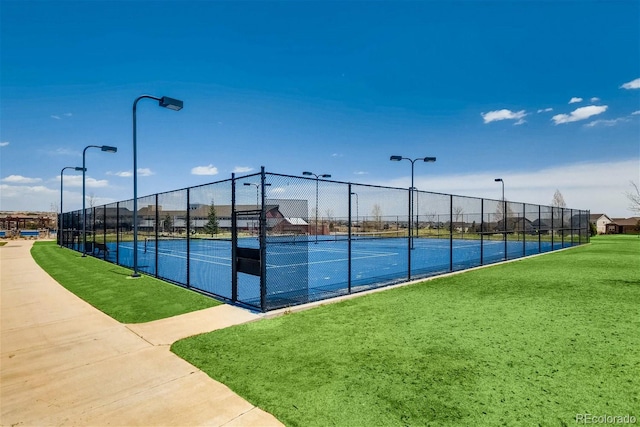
(532,342)
(110,289)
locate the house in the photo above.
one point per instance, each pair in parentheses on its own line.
(600,221)
(624,226)
(247,218)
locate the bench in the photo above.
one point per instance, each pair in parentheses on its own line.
(100,247)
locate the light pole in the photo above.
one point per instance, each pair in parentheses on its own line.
(61,224)
(326,175)
(356,194)
(106,149)
(166,102)
(426,160)
(502,182)
(257,185)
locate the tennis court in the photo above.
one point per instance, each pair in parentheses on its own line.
(310,239)
(299,269)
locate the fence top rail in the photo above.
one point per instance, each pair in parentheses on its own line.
(243,177)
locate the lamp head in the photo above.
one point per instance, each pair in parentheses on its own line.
(395,158)
(247,183)
(326,175)
(429,159)
(171,103)
(109,149)
(498,180)
(80,169)
(307,173)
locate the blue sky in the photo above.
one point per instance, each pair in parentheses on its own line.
(544,94)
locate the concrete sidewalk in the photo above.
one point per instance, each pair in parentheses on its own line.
(65,363)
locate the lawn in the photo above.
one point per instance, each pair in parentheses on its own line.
(110,289)
(532,342)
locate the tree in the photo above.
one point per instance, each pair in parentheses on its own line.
(558,200)
(329,213)
(558,203)
(91,199)
(377,216)
(634,198)
(212,226)
(168,223)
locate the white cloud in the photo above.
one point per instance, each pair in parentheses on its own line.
(76,181)
(545,110)
(595,99)
(27,198)
(129,174)
(145,172)
(635,113)
(597,186)
(61,116)
(633,84)
(19,179)
(240,169)
(607,123)
(66,152)
(204,170)
(336,155)
(574,100)
(504,114)
(578,114)
(276,190)
(4,143)
(361,173)
(122,174)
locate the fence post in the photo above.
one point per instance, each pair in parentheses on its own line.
(188,229)
(156,235)
(481,231)
(451,232)
(104,230)
(263,246)
(409,239)
(539,226)
(118,233)
(234,241)
(552,229)
(524,230)
(505,218)
(349,243)
(562,226)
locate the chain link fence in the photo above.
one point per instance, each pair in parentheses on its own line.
(269,241)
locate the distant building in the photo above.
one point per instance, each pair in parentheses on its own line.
(600,221)
(624,226)
(247,218)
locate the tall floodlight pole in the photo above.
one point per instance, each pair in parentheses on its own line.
(326,175)
(500,180)
(426,160)
(61,222)
(257,185)
(106,149)
(356,194)
(171,104)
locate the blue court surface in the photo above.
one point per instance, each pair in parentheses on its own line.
(301,269)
